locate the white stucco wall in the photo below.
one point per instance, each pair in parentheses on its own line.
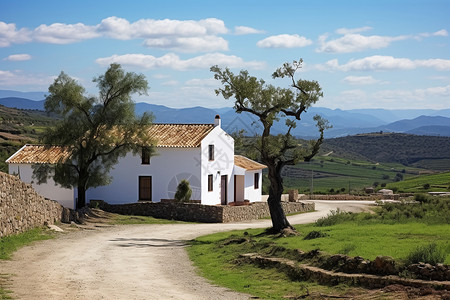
(223,162)
(167,169)
(49,190)
(251,193)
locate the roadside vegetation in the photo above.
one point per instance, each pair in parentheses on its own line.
(9,244)
(130,220)
(407,232)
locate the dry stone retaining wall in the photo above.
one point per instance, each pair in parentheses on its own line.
(200,213)
(21,208)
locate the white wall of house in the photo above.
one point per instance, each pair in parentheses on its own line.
(221,165)
(251,193)
(167,169)
(49,190)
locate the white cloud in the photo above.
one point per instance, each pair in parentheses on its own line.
(207,43)
(179,35)
(416,94)
(10,35)
(353,42)
(173,61)
(352,30)
(58,33)
(242,30)
(360,80)
(441,32)
(284,41)
(385,63)
(170,83)
(18,57)
(120,28)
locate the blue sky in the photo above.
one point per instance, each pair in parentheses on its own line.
(365,54)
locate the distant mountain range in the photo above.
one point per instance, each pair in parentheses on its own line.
(345,122)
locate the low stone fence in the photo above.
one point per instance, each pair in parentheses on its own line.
(200,213)
(21,208)
(372,197)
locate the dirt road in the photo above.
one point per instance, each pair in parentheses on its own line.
(128,262)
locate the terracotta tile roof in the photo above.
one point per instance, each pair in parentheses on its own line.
(166,135)
(179,135)
(247,163)
(37,154)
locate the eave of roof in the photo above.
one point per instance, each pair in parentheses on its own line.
(247,163)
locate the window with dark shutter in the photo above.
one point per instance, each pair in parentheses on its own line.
(145,156)
(211,152)
(210,183)
(256,180)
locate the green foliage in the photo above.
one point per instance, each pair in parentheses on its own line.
(335,217)
(270,103)
(184,191)
(97,130)
(11,243)
(314,235)
(423,198)
(430,254)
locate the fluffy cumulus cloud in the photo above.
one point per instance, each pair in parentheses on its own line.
(10,35)
(59,33)
(173,61)
(386,63)
(352,41)
(242,30)
(416,94)
(18,57)
(284,41)
(179,35)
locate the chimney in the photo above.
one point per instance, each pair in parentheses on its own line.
(217,121)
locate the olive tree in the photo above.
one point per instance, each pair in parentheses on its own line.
(270,103)
(97,131)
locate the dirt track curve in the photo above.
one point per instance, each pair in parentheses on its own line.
(128,262)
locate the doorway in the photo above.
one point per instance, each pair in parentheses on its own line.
(145,188)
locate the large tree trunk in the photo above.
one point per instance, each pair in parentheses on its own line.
(81,201)
(279,220)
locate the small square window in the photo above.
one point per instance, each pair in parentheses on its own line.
(210,183)
(256,181)
(145,156)
(211,152)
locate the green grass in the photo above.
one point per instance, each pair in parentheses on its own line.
(438,183)
(12,243)
(393,230)
(338,173)
(127,220)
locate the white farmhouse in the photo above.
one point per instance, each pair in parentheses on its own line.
(203,154)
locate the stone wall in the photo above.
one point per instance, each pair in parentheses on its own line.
(200,213)
(21,208)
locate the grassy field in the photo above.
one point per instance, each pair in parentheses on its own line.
(436,182)
(333,175)
(394,230)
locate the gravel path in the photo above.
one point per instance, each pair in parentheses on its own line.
(128,262)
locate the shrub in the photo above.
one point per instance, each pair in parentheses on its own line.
(334,217)
(426,186)
(430,254)
(385,177)
(184,191)
(383,184)
(422,198)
